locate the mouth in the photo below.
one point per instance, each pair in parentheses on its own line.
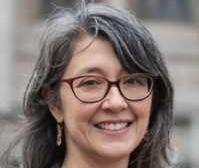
(113,125)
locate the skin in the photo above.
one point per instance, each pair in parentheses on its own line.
(87,145)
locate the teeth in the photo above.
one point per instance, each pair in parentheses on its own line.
(113,126)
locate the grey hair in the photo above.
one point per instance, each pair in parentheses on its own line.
(137,52)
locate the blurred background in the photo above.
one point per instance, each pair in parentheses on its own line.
(174,25)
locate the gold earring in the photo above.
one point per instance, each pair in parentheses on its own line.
(59,134)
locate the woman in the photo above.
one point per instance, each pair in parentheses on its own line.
(100,95)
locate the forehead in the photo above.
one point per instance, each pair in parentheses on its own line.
(92,55)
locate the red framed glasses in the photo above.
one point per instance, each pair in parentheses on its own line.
(91,89)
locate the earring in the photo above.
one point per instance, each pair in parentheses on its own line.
(59,134)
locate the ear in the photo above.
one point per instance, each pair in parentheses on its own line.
(53,105)
(57,113)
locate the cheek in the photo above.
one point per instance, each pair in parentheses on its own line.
(142,109)
(74,110)
(77,119)
(142,112)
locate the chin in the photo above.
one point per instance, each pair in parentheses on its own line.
(115,152)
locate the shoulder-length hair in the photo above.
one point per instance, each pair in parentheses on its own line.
(137,52)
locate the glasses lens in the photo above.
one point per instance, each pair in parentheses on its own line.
(90,88)
(136,87)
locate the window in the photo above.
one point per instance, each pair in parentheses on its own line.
(177,10)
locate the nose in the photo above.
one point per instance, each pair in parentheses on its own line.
(114,101)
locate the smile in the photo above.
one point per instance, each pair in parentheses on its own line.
(113,126)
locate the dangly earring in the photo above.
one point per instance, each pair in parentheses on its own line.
(59,134)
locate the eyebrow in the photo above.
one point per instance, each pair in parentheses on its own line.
(92,70)
(97,70)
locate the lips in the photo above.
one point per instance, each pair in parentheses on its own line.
(113,125)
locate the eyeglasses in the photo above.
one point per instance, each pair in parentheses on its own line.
(91,89)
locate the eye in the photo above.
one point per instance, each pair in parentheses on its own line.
(89,82)
(135,81)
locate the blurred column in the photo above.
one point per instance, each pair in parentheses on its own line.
(6,54)
(193,140)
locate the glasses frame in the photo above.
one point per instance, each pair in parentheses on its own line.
(110,84)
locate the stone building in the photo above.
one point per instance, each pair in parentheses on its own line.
(174,24)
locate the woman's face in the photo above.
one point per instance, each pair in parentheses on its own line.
(116,139)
